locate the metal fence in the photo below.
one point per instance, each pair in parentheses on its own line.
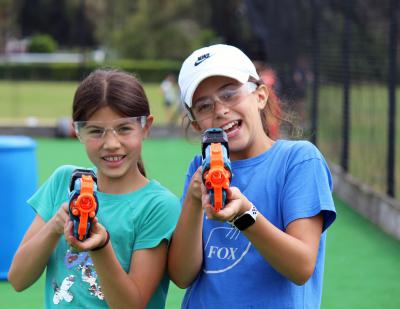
(346,53)
(354,94)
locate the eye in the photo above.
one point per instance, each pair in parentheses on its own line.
(228,94)
(95,132)
(125,129)
(204,106)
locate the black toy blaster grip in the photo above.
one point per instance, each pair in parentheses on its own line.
(83,203)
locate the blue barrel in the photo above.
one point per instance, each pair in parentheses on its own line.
(18,181)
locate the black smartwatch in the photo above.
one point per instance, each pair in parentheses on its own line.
(246,219)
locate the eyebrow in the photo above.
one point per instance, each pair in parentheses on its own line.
(232,83)
(101,124)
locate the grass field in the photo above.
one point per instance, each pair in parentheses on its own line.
(49,101)
(362,263)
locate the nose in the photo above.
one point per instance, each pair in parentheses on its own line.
(220,109)
(111,141)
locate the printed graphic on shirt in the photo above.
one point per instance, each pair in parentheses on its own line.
(224,249)
(82,263)
(89,276)
(62,292)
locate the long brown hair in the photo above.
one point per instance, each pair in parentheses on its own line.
(119,90)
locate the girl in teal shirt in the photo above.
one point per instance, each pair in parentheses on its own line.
(122,262)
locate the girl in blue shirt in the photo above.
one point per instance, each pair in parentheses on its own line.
(265,248)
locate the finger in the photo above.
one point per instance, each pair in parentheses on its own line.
(203,189)
(205,199)
(64,207)
(68,229)
(232,193)
(209,210)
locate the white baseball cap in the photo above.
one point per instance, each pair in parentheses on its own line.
(214,60)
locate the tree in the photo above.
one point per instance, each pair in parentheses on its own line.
(152,29)
(7,22)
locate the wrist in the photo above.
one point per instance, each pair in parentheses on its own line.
(247,206)
(105,243)
(245,219)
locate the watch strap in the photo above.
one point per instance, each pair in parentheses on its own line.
(246,219)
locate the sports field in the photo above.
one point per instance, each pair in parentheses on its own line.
(362,263)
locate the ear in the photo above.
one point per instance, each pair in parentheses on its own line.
(262,96)
(147,126)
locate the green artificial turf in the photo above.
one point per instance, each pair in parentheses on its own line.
(362,268)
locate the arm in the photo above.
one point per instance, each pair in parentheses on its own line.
(39,242)
(292,252)
(121,289)
(185,255)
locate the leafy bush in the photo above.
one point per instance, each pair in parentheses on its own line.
(145,70)
(42,43)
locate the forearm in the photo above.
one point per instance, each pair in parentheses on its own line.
(119,289)
(185,253)
(290,256)
(32,257)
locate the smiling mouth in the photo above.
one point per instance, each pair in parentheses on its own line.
(113,158)
(231,126)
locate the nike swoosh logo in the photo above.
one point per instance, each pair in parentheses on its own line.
(199,61)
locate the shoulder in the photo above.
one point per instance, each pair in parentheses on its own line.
(161,195)
(62,172)
(299,151)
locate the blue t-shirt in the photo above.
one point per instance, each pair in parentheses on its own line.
(289,181)
(137,220)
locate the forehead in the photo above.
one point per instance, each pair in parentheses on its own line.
(212,84)
(105,114)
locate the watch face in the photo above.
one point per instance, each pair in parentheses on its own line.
(244,221)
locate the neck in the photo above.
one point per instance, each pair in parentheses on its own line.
(258,146)
(122,185)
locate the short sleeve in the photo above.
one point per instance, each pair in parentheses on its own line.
(159,223)
(308,189)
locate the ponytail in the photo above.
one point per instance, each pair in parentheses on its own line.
(141,166)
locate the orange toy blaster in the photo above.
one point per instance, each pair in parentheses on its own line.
(83,203)
(217,172)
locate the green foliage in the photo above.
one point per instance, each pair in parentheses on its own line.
(157,30)
(146,70)
(42,43)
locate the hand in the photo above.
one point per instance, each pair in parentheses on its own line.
(195,185)
(236,205)
(96,238)
(59,219)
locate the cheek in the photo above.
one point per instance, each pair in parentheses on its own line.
(134,146)
(91,151)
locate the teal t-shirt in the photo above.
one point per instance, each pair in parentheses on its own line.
(136,220)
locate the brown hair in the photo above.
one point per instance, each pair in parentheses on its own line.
(119,90)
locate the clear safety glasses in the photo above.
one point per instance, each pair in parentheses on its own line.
(230,95)
(123,128)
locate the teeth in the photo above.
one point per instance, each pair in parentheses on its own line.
(113,158)
(229,125)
